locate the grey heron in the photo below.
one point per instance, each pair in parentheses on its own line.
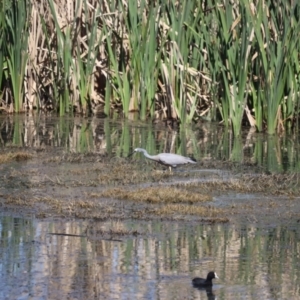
(167,159)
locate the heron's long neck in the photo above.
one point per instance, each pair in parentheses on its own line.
(146,154)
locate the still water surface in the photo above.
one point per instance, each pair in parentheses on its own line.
(252,263)
(159,261)
(118,138)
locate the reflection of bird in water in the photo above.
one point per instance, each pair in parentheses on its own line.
(167,159)
(209,293)
(201,282)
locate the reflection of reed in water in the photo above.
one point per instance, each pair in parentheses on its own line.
(118,138)
(157,261)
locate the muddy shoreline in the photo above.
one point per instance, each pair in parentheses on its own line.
(44,184)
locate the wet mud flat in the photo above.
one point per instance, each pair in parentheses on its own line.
(57,184)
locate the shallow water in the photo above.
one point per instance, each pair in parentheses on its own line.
(206,141)
(60,258)
(252,263)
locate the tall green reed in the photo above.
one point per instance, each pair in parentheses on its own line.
(233,62)
(16,37)
(182,58)
(62,75)
(277,34)
(117,76)
(149,57)
(86,56)
(235,44)
(132,56)
(2,45)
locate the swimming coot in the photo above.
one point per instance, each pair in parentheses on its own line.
(205,282)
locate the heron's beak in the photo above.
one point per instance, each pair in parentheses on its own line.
(131,154)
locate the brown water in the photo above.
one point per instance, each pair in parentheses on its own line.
(123,257)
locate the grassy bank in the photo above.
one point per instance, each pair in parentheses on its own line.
(235,63)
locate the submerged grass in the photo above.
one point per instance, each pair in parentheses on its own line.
(114,229)
(18,156)
(278,184)
(124,173)
(92,209)
(183,209)
(158,194)
(54,191)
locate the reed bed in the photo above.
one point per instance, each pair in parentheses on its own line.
(234,62)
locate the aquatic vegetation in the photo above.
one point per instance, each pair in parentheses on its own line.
(112,230)
(16,33)
(73,186)
(18,156)
(235,63)
(158,194)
